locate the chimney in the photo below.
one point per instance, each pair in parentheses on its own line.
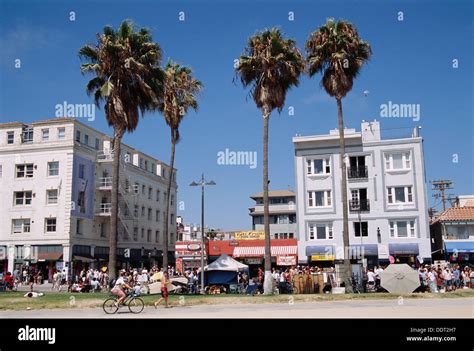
(370,131)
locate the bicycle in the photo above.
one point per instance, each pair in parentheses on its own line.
(134,303)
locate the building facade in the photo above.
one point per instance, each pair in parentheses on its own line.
(452,233)
(282,210)
(56,178)
(386,194)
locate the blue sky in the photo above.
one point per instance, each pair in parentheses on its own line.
(412,63)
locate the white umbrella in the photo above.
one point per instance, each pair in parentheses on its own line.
(399,279)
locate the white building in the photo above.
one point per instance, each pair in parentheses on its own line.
(282,213)
(385,189)
(55,185)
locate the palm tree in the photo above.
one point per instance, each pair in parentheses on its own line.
(125,65)
(180,89)
(270,65)
(337,52)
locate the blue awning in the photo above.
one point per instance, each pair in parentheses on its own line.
(369,250)
(403,249)
(459,246)
(320,250)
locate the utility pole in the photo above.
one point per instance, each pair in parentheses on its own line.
(441,186)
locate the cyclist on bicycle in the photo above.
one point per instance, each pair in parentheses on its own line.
(119,287)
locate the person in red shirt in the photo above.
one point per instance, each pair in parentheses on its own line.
(8,279)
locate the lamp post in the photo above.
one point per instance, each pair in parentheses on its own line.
(202,183)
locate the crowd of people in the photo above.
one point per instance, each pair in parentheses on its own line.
(434,278)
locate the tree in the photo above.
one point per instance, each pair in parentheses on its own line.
(180,89)
(270,65)
(125,63)
(337,52)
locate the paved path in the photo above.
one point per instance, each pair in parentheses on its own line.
(408,308)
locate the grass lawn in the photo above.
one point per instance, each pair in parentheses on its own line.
(16,301)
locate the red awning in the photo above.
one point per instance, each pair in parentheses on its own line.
(49,256)
(259,251)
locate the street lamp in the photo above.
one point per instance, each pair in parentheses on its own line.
(202,183)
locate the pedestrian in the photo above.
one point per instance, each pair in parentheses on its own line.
(448,277)
(164,290)
(31,280)
(432,280)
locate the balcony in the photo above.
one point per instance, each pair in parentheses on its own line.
(105,183)
(358,172)
(105,209)
(105,156)
(362,205)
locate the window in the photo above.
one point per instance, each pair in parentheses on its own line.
(172,219)
(53,168)
(292,235)
(143,211)
(148,235)
(21,225)
(82,169)
(52,196)
(97,144)
(45,134)
(61,133)
(397,161)
(143,189)
(146,165)
(24,171)
(136,188)
(318,166)
(157,236)
(79,227)
(402,229)
(27,134)
(157,215)
(23,198)
(320,231)
(143,233)
(86,139)
(401,194)
(319,198)
(103,230)
(357,229)
(157,196)
(171,200)
(150,191)
(78,136)
(81,201)
(10,137)
(50,224)
(135,211)
(135,234)
(149,214)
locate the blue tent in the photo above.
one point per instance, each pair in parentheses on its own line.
(223,271)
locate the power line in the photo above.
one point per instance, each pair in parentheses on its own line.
(441,186)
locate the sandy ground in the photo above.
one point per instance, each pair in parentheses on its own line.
(407,308)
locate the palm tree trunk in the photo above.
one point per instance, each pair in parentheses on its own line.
(268,284)
(118,134)
(167,202)
(346,276)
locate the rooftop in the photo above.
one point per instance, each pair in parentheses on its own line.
(275,193)
(455,214)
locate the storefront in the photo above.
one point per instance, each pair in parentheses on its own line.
(459,251)
(252,252)
(188,255)
(367,252)
(321,255)
(404,252)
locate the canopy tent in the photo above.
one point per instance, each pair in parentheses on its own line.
(227,264)
(224,270)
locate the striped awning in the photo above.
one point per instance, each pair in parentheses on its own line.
(259,251)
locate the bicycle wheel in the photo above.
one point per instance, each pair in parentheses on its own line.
(110,306)
(136,305)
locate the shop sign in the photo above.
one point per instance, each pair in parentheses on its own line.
(253,260)
(322,257)
(286,260)
(250,235)
(383,251)
(194,247)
